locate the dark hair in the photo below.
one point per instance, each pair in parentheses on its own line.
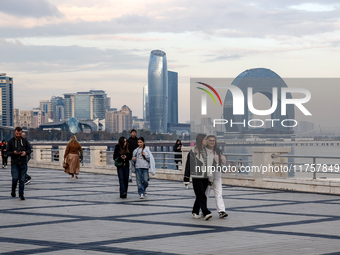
(133,130)
(179,141)
(18,129)
(142,139)
(215,145)
(199,142)
(123,149)
(3,141)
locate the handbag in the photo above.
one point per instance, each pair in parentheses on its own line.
(65,164)
(118,163)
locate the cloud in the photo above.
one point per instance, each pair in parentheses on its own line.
(29,8)
(224,58)
(66,58)
(215,18)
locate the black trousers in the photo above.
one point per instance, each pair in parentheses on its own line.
(4,161)
(200,186)
(123,176)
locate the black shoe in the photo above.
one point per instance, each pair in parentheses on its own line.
(130,180)
(13,193)
(223,214)
(27,182)
(124,195)
(22,198)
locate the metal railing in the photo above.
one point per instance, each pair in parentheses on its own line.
(51,155)
(310,167)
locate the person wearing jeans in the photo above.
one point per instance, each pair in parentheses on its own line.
(18,149)
(122,155)
(142,179)
(143,160)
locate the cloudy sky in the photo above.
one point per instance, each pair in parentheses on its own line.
(61,46)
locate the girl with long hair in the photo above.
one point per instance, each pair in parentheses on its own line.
(143,160)
(71,156)
(121,156)
(196,166)
(216,180)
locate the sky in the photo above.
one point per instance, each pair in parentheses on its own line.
(62,46)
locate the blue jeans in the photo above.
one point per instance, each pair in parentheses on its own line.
(18,174)
(123,176)
(142,178)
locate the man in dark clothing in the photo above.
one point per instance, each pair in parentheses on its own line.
(18,149)
(133,144)
(27,178)
(4,154)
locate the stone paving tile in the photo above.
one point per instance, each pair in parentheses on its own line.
(86,216)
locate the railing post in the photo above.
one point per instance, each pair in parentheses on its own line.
(97,158)
(314,173)
(163,160)
(262,158)
(38,154)
(62,150)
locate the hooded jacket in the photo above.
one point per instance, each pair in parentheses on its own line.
(18,145)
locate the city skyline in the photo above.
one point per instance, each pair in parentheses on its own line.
(56,47)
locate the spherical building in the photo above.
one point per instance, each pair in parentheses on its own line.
(262,81)
(158,91)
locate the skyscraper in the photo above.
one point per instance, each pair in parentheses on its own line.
(146,111)
(158,91)
(172,97)
(6,87)
(85,105)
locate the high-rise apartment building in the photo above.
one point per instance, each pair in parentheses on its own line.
(26,119)
(6,86)
(158,91)
(118,121)
(86,105)
(47,107)
(172,97)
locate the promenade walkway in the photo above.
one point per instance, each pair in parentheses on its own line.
(86,216)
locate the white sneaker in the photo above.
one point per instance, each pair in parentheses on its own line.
(196,216)
(141,196)
(145,194)
(208,216)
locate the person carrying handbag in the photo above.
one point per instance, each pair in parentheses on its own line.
(121,156)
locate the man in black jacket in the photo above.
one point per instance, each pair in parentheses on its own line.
(133,144)
(18,149)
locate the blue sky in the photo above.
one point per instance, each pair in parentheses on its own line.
(59,46)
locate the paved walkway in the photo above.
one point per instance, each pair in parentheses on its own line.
(86,216)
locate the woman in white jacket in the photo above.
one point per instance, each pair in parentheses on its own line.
(215,180)
(143,160)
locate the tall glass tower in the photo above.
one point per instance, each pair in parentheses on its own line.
(158,91)
(172,97)
(6,89)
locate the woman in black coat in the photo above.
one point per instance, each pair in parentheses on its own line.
(178,148)
(122,155)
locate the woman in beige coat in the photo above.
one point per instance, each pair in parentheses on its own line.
(72,157)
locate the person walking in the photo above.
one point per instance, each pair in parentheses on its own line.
(27,178)
(71,156)
(18,149)
(143,160)
(4,154)
(197,160)
(216,180)
(122,157)
(133,144)
(178,148)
